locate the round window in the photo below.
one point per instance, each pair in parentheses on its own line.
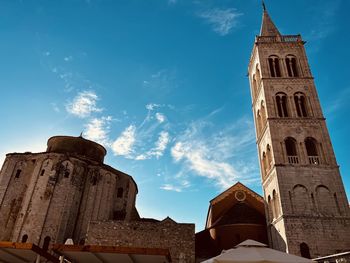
(240,196)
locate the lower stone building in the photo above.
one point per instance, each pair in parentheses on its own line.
(68,193)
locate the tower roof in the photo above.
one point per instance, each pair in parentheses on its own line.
(268,28)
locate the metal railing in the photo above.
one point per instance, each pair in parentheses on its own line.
(286,38)
(293,159)
(314,160)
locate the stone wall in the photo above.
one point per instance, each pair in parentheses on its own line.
(178,238)
(55,196)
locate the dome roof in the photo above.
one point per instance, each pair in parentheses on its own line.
(78,146)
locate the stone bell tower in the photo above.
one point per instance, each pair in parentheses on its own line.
(307,207)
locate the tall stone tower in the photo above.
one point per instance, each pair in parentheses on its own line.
(307,208)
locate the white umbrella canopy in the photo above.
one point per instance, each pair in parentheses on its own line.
(251,251)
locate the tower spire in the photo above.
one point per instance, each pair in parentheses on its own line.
(268,28)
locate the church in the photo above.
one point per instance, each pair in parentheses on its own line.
(66,202)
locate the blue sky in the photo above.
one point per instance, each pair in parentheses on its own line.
(162,84)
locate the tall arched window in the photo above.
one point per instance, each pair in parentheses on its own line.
(291,63)
(275,203)
(258,122)
(46,243)
(269,208)
(269,156)
(304,250)
(301,201)
(325,203)
(311,150)
(264,163)
(300,104)
(18,173)
(291,150)
(281,102)
(24,238)
(257,75)
(263,113)
(274,65)
(255,86)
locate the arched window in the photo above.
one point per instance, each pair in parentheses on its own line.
(311,150)
(42,172)
(46,243)
(269,207)
(18,173)
(274,65)
(257,75)
(304,250)
(120,192)
(281,101)
(264,164)
(275,203)
(291,62)
(258,122)
(24,238)
(325,203)
(301,201)
(291,150)
(263,113)
(255,87)
(300,104)
(269,157)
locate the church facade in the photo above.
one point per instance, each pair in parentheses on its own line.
(307,209)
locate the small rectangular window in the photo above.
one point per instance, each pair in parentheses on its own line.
(18,173)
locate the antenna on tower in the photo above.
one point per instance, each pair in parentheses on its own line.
(263,4)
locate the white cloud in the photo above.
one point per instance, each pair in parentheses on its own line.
(215,155)
(161,144)
(183,184)
(159,148)
(68,58)
(198,159)
(97,130)
(55,107)
(221,20)
(83,104)
(152,106)
(160,117)
(124,143)
(170,187)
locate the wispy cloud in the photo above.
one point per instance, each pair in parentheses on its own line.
(159,148)
(97,130)
(68,58)
(221,20)
(176,188)
(55,107)
(124,143)
(170,187)
(324,16)
(83,104)
(152,106)
(160,117)
(161,82)
(340,100)
(212,155)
